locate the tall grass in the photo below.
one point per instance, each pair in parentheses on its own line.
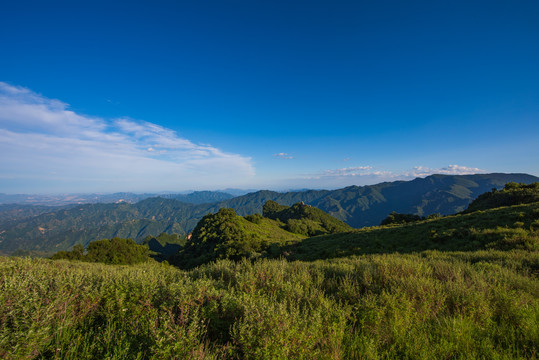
(429,305)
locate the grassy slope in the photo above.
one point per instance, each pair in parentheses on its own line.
(501,228)
(433,305)
(269,230)
(424,304)
(304,219)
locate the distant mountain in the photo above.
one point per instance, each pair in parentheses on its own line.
(358,206)
(200,197)
(361,206)
(13,212)
(61,229)
(69,199)
(196,197)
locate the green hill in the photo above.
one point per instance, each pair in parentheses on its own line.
(225,235)
(361,206)
(462,286)
(304,219)
(505,228)
(511,194)
(48,230)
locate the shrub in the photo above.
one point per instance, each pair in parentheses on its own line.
(114,251)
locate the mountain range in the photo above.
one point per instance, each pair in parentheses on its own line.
(50,229)
(196,197)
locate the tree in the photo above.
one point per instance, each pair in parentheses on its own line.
(115,251)
(397,218)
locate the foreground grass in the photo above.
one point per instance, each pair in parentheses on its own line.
(431,305)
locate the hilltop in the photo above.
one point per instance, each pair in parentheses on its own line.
(505,228)
(226,235)
(511,194)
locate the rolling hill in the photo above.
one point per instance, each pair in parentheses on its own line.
(358,206)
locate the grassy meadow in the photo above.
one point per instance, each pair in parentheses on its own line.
(430,305)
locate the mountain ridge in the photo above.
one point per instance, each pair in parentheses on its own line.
(358,206)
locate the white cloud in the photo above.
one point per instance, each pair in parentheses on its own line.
(367,175)
(336,178)
(48,146)
(349,171)
(422,171)
(283,155)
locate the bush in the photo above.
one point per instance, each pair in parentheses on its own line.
(115,251)
(396,218)
(511,194)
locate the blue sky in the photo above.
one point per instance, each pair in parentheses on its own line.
(175,95)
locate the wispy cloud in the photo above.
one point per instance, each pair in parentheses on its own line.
(349,171)
(45,143)
(422,171)
(283,155)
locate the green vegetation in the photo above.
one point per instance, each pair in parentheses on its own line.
(396,218)
(163,246)
(114,251)
(432,305)
(304,219)
(511,194)
(41,230)
(505,228)
(225,235)
(456,287)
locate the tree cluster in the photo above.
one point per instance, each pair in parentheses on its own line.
(398,218)
(219,236)
(116,251)
(512,194)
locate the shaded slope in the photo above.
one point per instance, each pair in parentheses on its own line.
(304,219)
(515,227)
(511,194)
(60,230)
(360,206)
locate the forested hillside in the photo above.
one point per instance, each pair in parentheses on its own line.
(511,194)
(38,229)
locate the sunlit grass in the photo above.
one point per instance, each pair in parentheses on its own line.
(431,305)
